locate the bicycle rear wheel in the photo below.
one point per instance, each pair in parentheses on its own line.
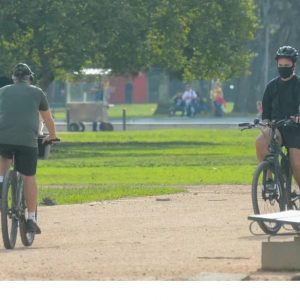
(27,238)
(9,217)
(265,198)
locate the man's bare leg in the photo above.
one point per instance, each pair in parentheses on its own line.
(295,163)
(263,141)
(30,193)
(4,166)
(262,145)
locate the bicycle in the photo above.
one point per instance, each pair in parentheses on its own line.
(273,186)
(14,211)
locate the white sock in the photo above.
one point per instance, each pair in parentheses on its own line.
(1,178)
(31,216)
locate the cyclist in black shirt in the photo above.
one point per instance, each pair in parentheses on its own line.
(281,100)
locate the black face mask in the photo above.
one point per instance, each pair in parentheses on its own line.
(285,72)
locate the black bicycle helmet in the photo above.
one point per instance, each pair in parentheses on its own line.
(287,52)
(21,70)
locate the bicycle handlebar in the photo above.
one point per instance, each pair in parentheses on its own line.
(244,124)
(272,124)
(53,141)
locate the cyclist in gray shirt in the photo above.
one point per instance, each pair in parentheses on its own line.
(20,106)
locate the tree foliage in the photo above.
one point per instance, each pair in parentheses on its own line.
(51,35)
(200,39)
(190,38)
(283,29)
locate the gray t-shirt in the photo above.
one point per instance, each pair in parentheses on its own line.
(20,104)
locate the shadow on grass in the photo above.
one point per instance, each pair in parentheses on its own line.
(135,145)
(84,150)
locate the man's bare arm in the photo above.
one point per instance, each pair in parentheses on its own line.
(49,122)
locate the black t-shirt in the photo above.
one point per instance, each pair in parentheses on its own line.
(281,99)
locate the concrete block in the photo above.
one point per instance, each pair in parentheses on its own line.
(281,255)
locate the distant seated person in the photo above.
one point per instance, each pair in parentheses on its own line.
(219,103)
(188,96)
(202,104)
(177,105)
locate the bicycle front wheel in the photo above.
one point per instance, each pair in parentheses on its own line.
(293,196)
(268,195)
(9,217)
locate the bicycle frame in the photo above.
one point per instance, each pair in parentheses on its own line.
(275,151)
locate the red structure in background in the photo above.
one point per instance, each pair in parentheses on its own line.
(117,86)
(140,88)
(129,90)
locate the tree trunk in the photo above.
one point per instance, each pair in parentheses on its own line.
(45,80)
(250,88)
(163,94)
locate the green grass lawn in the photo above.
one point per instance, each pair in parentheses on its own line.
(108,165)
(144,110)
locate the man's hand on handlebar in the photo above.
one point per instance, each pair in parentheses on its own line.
(50,139)
(296,118)
(266,122)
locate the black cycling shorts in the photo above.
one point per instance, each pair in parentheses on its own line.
(25,157)
(290,136)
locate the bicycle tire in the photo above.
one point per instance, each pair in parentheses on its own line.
(81,127)
(290,186)
(9,219)
(27,238)
(260,177)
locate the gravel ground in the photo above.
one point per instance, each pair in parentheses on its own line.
(172,237)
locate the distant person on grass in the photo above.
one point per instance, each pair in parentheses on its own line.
(281,101)
(188,96)
(218,99)
(20,105)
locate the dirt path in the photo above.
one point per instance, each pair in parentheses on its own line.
(178,237)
